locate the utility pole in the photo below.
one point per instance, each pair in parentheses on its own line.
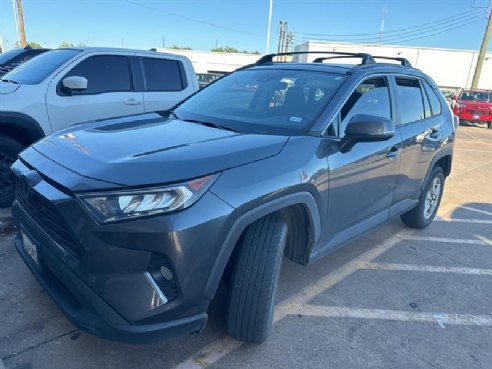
(281,33)
(269,28)
(20,18)
(483,51)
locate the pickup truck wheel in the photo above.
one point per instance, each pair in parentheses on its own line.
(489,125)
(254,280)
(430,198)
(9,150)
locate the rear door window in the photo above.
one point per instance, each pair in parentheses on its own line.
(411,100)
(163,74)
(434,100)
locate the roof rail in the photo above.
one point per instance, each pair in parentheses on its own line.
(366,58)
(403,61)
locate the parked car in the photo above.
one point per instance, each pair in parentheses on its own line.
(205,79)
(69,86)
(129,224)
(15,57)
(474,106)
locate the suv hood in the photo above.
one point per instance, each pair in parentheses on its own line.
(149,150)
(8,87)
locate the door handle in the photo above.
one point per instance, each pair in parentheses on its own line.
(392,152)
(132,102)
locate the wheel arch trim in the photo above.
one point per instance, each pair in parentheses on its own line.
(23,121)
(300,198)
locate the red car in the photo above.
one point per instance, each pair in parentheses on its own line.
(474,106)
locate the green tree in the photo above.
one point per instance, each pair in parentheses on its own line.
(229,49)
(66,44)
(177,47)
(32,44)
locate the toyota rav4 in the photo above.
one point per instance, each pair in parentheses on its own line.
(474,106)
(130,224)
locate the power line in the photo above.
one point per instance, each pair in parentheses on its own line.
(468,14)
(410,35)
(193,19)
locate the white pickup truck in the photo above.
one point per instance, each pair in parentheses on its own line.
(74,85)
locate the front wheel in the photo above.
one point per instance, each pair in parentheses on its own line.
(254,280)
(423,214)
(9,150)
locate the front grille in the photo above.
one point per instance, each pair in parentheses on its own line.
(478,112)
(46,215)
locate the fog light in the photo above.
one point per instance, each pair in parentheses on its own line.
(166,273)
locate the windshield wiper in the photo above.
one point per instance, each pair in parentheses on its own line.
(9,81)
(209,124)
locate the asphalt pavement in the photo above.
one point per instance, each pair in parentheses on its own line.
(396,298)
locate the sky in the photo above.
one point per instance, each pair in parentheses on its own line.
(243,24)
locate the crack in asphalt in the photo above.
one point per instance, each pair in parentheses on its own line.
(10,356)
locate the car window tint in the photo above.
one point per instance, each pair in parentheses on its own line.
(370,97)
(104,73)
(427,107)
(162,74)
(434,100)
(411,100)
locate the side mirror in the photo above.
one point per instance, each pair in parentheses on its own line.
(366,128)
(454,97)
(74,83)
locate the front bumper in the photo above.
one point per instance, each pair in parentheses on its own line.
(101,282)
(469,117)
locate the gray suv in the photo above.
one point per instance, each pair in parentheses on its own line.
(131,223)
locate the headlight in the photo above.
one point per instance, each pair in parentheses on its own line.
(108,207)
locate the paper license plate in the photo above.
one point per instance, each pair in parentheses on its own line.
(30,247)
(476,116)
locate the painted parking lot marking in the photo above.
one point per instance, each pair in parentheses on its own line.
(218,349)
(482,241)
(456,220)
(395,315)
(476,210)
(424,268)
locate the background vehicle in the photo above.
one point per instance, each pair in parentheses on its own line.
(15,57)
(68,86)
(205,78)
(273,159)
(474,106)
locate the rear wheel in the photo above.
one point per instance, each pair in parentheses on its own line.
(489,125)
(9,150)
(254,280)
(423,214)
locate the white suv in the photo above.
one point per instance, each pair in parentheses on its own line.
(69,86)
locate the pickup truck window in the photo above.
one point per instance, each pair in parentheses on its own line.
(411,100)
(104,73)
(162,74)
(37,69)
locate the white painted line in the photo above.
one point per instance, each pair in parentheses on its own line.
(481,241)
(210,354)
(424,268)
(456,220)
(395,315)
(476,210)
(218,349)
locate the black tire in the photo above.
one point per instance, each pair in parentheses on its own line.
(422,215)
(489,125)
(255,273)
(9,150)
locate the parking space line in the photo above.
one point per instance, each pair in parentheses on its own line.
(476,210)
(459,220)
(424,268)
(396,315)
(218,349)
(482,241)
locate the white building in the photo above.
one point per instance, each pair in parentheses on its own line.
(449,68)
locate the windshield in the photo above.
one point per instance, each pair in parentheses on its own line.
(272,101)
(5,57)
(37,69)
(476,96)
